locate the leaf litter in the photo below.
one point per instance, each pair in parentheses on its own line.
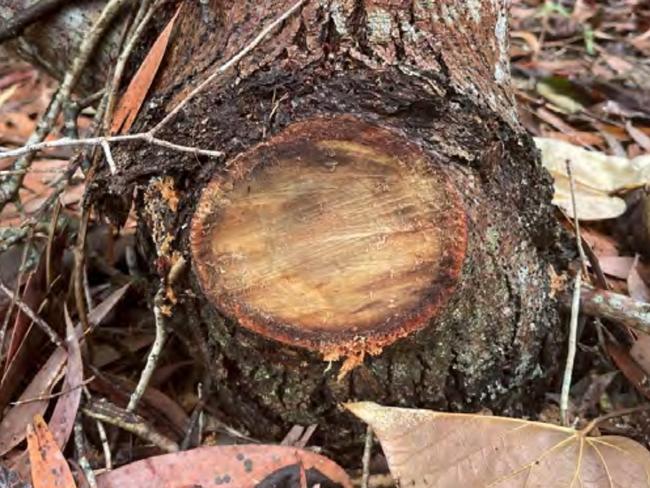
(582,81)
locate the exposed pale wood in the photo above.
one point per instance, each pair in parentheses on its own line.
(336,234)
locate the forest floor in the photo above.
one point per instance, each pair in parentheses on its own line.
(582,76)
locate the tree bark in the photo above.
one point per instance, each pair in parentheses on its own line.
(389,129)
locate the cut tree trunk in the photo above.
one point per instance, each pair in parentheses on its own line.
(380,227)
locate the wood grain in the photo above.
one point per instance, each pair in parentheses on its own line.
(332,232)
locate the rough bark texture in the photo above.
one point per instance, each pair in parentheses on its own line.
(435,72)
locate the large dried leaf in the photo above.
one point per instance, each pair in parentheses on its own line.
(129,107)
(49,467)
(433,449)
(596,176)
(240,466)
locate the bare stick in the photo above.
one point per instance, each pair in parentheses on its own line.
(109,157)
(53,395)
(100,140)
(367,450)
(103,438)
(575,307)
(80,445)
(229,64)
(154,354)
(142,18)
(571,354)
(161,334)
(618,308)
(576,221)
(617,413)
(129,421)
(54,337)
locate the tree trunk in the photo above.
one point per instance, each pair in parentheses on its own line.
(380,228)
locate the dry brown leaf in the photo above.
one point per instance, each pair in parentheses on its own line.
(602,244)
(433,449)
(616,266)
(129,106)
(596,176)
(244,465)
(49,467)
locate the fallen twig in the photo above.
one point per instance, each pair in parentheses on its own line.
(156,348)
(142,18)
(100,140)
(367,450)
(613,306)
(80,445)
(575,309)
(111,414)
(229,64)
(53,395)
(571,354)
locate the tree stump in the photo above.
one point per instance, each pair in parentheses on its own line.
(336,235)
(380,227)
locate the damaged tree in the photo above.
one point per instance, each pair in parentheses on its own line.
(379,226)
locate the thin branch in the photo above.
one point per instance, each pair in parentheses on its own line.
(613,306)
(575,308)
(54,337)
(109,157)
(100,140)
(618,413)
(128,421)
(154,354)
(53,395)
(80,445)
(161,333)
(103,438)
(142,18)
(15,26)
(367,450)
(576,221)
(571,354)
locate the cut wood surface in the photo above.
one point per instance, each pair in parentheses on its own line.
(336,235)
